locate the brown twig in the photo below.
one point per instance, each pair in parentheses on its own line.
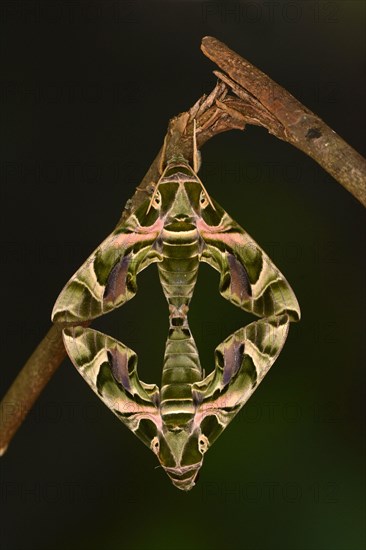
(243,95)
(301,127)
(28,385)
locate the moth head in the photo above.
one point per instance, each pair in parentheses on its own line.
(180,452)
(179,192)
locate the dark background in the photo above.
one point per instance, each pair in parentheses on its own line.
(87,91)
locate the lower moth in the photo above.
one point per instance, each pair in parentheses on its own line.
(177,227)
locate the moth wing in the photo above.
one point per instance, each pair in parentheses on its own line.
(108,277)
(110,369)
(249,278)
(241,362)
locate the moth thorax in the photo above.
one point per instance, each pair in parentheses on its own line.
(176,417)
(180,237)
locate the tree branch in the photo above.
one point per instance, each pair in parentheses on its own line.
(30,382)
(300,126)
(243,95)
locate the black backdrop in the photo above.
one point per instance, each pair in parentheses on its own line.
(87,91)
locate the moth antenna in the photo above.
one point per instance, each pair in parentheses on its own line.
(152,198)
(162,156)
(196,153)
(197,161)
(208,196)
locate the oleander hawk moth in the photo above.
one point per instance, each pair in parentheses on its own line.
(177,227)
